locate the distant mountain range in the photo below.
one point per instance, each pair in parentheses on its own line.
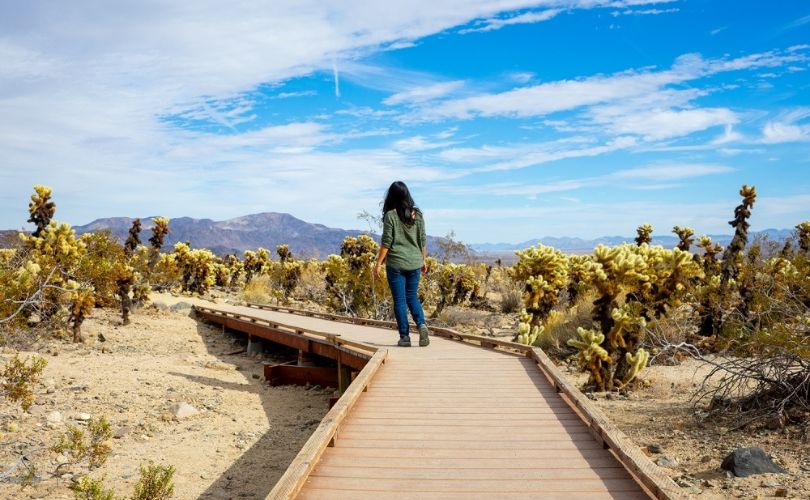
(580,245)
(316,240)
(236,235)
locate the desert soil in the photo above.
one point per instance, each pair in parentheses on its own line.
(662,414)
(237,446)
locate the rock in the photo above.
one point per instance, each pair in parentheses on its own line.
(780,492)
(181,306)
(183,410)
(121,432)
(54,417)
(744,462)
(665,461)
(83,417)
(655,448)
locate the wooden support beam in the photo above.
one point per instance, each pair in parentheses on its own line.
(301,375)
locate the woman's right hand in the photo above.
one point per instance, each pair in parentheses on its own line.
(376,271)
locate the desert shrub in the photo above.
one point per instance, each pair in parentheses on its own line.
(19,377)
(156,482)
(94,448)
(511,299)
(91,489)
(312,282)
(562,325)
(258,290)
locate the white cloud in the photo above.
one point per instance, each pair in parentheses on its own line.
(418,95)
(564,95)
(525,18)
(786,129)
(671,172)
(419,143)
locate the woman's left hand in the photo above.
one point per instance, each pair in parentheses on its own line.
(424,266)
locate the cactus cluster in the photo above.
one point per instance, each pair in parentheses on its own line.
(644,234)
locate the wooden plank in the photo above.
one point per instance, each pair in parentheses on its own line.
(473,486)
(441,444)
(526,455)
(480,439)
(478,473)
(296,474)
(331,494)
(552,462)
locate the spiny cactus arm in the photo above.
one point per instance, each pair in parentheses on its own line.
(637,363)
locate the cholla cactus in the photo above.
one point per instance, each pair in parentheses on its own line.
(636,363)
(685,237)
(41,208)
(578,271)
(544,270)
(134,238)
(124,281)
(350,284)
(644,234)
(803,231)
(159,232)
(528,333)
(284,252)
(257,262)
(81,307)
(735,249)
(710,252)
(456,284)
(197,268)
(591,353)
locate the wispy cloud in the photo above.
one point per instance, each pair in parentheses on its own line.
(422,94)
(525,18)
(786,128)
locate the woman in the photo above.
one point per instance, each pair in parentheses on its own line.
(403,250)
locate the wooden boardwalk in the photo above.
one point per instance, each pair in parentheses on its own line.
(455,420)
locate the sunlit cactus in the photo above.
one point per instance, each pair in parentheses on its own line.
(124,281)
(644,234)
(256,263)
(82,303)
(544,272)
(456,283)
(196,267)
(636,363)
(159,232)
(41,209)
(685,237)
(578,271)
(710,252)
(284,252)
(133,239)
(528,333)
(591,355)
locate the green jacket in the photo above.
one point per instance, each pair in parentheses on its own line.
(404,243)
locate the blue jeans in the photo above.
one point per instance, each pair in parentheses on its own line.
(404,285)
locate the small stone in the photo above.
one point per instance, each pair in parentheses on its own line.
(121,432)
(101,337)
(744,462)
(655,448)
(183,410)
(53,417)
(708,484)
(83,417)
(665,461)
(769,484)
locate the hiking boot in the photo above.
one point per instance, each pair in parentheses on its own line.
(424,333)
(404,342)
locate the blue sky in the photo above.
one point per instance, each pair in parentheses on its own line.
(509,119)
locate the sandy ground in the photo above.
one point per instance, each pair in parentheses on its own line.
(237,446)
(663,415)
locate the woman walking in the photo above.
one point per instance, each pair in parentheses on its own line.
(404,251)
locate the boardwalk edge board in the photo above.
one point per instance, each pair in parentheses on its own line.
(649,475)
(302,465)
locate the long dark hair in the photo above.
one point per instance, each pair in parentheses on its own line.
(399,198)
